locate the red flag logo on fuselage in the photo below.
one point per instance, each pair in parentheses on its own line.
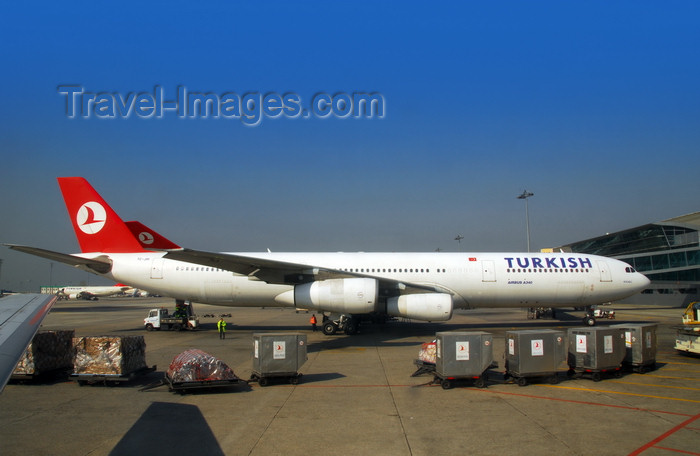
(91,217)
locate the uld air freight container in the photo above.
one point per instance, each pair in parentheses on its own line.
(278,355)
(640,344)
(594,351)
(462,355)
(535,353)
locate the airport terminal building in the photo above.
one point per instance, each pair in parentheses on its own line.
(668,252)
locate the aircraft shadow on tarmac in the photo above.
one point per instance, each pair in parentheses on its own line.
(155,432)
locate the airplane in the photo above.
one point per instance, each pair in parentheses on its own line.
(90,293)
(148,238)
(419,286)
(20,317)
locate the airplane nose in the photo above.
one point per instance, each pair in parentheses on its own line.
(643,281)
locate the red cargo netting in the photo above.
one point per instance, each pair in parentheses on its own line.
(196,366)
(428,352)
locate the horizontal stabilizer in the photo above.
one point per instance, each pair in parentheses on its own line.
(100,264)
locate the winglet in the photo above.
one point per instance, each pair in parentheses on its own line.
(97,227)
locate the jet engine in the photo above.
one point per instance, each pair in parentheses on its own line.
(346,296)
(422,306)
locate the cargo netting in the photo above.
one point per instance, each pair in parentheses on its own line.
(109,355)
(48,351)
(428,352)
(195,366)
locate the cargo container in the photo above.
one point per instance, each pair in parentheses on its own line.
(50,354)
(534,354)
(278,355)
(463,355)
(595,351)
(109,359)
(640,344)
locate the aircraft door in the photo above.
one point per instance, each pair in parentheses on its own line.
(157,268)
(488,271)
(604,271)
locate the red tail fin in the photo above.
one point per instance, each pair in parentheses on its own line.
(148,238)
(97,227)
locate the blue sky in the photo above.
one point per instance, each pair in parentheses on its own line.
(594,107)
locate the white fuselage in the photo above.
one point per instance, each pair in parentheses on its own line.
(473,279)
(91,290)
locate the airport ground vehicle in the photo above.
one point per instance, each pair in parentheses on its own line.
(182,318)
(688,334)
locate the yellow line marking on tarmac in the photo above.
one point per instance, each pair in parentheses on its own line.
(650,384)
(673,378)
(618,392)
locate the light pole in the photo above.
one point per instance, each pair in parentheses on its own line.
(459,241)
(524,196)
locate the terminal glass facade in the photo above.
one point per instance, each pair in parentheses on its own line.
(667,251)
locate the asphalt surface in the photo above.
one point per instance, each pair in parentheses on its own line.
(356,395)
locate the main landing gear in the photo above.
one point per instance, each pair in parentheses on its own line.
(336,322)
(589,319)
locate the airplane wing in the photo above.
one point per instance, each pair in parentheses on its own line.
(100,264)
(281,272)
(20,317)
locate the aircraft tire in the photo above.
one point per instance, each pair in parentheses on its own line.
(329,328)
(351,328)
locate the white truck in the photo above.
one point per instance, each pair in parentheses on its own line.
(182,318)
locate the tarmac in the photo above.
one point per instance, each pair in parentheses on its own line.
(356,395)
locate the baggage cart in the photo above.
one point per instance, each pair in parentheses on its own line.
(423,368)
(534,354)
(596,351)
(191,386)
(640,345)
(110,379)
(278,356)
(426,359)
(463,356)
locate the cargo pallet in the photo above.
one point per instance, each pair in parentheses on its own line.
(183,387)
(640,368)
(595,374)
(423,368)
(110,379)
(523,379)
(40,376)
(265,379)
(449,382)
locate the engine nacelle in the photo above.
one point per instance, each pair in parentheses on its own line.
(347,296)
(421,306)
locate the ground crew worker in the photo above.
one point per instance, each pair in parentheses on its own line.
(312,320)
(221,325)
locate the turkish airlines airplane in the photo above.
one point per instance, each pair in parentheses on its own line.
(90,293)
(420,286)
